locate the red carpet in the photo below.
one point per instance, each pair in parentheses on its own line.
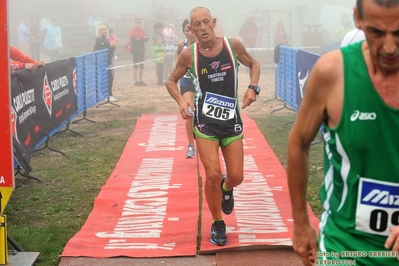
(149,205)
(262,214)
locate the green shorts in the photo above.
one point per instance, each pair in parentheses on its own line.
(224,133)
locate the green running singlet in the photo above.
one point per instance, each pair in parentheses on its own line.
(360,191)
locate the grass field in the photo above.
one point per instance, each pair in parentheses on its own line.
(42,217)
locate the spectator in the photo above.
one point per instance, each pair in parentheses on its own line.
(21,61)
(44,24)
(94,21)
(281,36)
(160,16)
(102,42)
(35,38)
(158,28)
(249,32)
(342,30)
(138,37)
(158,53)
(53,41)
(24,36)
(353,36)
(170,36)
(113,39)
(218,28)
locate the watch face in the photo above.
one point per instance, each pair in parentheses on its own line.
(255,88)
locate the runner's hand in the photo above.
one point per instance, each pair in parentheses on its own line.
(184,110)
(392,241)
(249,97)
(305,244)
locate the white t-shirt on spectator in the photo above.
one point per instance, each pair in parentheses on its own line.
(353,36)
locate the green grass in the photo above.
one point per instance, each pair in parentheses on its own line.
(42,217)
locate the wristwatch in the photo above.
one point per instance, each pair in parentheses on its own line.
(255,88)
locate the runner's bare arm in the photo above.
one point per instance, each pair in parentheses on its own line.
(183,63)
(246,59)
(178,50)
(320,92)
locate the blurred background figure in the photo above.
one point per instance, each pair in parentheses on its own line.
(138,37)
(171,42)
(102,42)
(24,36)
(158,53)
(280,35)
(53,41)
(249,34)
(44,24)
(34,29)
(160,16)
(353,36)
(218,28)
(94,21)
(342,30)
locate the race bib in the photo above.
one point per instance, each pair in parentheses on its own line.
(219,107)
(377,206)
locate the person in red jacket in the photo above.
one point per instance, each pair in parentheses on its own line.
(21,61)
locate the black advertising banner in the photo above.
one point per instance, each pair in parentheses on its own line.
(40,101)
(304,64)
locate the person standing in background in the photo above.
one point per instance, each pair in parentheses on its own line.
(94,21)
(280,35)
(249,34)
(44,24)
(170,36)
(53,41)
(34,29)
(24,36)
(158,54)
(102,42)
(218,28)
(138,37)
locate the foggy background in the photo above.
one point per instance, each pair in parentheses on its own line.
(307,22)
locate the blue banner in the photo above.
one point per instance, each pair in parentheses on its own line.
(304,64)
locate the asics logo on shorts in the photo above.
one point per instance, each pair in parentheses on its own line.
(357,115)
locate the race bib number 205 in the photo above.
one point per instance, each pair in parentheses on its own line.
(219,107)
(377,206)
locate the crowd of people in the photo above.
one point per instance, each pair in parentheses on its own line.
(358,107)
(36,37)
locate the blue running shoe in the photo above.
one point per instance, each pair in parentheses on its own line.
(227,198)
(218,233)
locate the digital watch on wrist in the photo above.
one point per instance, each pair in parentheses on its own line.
(255,88)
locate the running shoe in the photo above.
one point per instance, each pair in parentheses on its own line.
(137,84)
(142,83)
(218,233)
(227,198)
(112,99)
(190,153)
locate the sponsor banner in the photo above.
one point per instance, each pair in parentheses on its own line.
(304,64)
(40,101)
(261,217)
(149,205)
(6,162)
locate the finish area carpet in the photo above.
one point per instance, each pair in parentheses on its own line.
(150,205)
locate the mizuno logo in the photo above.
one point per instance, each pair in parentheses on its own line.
(215,100)
(357,115)
(381,197)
